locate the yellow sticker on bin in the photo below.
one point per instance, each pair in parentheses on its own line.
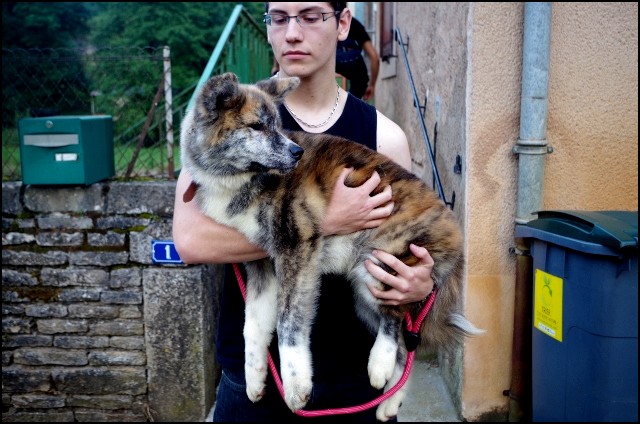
(547,305)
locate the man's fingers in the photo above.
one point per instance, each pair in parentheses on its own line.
(383,197)
(372,182)
(389,260)
(374,223)
(343,175)
(422,254)
(386,297)
(381,212)
(410,284)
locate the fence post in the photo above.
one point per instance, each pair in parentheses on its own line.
(168,99)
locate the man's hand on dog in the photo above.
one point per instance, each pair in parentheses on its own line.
(353,208)
(411,284)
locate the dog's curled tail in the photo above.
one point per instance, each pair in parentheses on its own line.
(464,326)
(448,334)
(445,326)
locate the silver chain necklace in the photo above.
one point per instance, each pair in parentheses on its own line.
(323,123)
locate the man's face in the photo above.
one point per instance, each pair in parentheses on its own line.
(303,36)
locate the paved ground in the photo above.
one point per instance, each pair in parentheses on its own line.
(428,399)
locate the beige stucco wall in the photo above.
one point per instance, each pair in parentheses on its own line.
(593,107)
(468,57)
(495,51)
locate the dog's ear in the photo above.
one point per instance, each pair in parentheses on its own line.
(278,88)
(220,93)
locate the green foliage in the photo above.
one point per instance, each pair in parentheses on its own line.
(190,29)
(44,25)
(67,58)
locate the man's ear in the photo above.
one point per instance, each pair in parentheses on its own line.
(344,23)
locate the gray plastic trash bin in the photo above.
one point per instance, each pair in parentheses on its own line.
(585,315)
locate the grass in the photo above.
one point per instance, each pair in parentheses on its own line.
(151,161)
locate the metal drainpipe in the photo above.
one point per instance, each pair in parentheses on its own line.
(531,148)
(532,144)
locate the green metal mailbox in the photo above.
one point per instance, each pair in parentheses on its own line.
(66,149)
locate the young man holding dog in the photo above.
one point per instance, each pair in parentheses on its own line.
(303,37)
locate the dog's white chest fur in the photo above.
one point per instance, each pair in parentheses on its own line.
(215,203)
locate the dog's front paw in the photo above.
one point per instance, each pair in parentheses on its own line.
(255,374)
(256,378)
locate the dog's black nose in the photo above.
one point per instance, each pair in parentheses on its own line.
(296,151)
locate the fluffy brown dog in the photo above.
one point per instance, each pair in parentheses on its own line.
(274,186)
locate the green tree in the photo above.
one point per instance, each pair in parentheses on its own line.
(191,29)
(43,29)
(44,25)
(59,30)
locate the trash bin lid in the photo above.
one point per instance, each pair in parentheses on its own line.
(617,230)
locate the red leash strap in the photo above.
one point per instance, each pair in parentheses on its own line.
(411,330)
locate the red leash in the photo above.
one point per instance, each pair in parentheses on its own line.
(411,339)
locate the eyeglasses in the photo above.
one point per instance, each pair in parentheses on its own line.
(308,19)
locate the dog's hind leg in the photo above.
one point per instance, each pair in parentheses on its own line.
(382,358)
(389,407)
(259,325)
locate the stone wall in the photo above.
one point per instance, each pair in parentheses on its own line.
(92,328)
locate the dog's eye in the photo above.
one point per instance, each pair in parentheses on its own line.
(257,126)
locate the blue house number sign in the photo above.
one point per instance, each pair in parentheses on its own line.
(164,252)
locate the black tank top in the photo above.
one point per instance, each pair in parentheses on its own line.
(340,343)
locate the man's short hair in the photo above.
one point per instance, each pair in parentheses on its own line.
(338,6)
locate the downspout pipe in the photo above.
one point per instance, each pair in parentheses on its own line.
(532,148)
(532,143)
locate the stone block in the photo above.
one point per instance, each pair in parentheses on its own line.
(180,309)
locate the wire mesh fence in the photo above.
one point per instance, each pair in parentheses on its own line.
(130,84)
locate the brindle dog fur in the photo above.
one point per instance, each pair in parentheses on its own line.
(274,187)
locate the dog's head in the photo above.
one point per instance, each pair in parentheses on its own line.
(235,128)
